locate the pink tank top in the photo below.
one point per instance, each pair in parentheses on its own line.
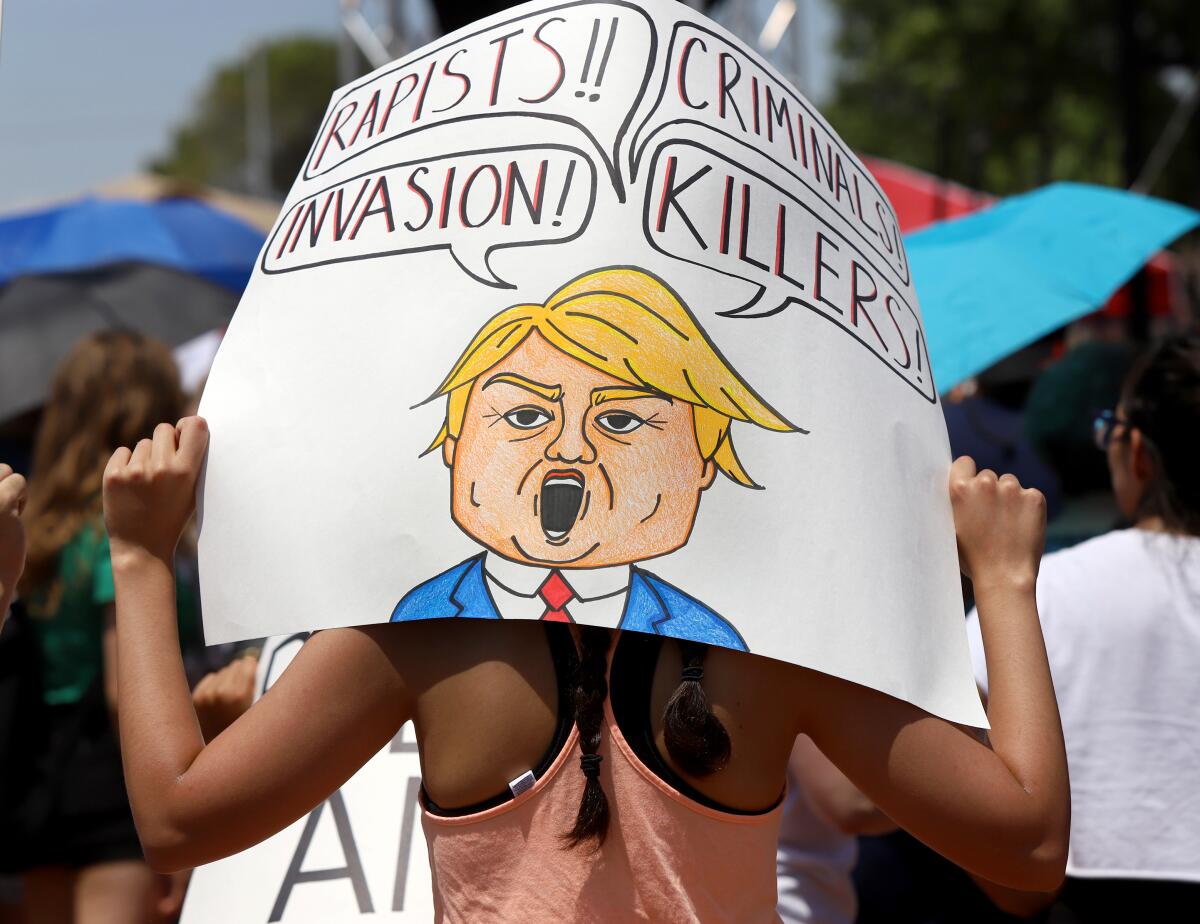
(666,858)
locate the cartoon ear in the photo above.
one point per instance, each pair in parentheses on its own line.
(709,475)
(449,444)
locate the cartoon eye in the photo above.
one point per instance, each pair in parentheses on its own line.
(619,422)
(528,418)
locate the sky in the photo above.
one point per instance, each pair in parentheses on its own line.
(91,89)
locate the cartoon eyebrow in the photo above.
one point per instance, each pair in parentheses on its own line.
(549,392)
(600,395)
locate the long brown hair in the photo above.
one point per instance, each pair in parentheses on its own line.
(111,390)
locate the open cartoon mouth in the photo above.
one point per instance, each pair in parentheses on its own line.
(561,496)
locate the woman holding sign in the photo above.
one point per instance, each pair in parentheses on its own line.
(673,812)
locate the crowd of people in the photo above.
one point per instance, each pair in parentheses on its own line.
(661,795)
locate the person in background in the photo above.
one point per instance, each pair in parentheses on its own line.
(986,420)
(223,695)
(1058,415)
(12,536)
(1121,619)
(822,814)
(12,563)
(81,858)
(194,359)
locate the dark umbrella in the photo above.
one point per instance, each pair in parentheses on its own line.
(172,269)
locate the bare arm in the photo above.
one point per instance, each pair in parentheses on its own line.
(12,536)
(108,647)
(338,703)
(834,797)
(1016,902)
(1001,813)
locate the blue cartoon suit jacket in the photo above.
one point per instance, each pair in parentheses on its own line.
(652,605)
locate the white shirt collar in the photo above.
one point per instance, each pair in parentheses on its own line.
(588,583)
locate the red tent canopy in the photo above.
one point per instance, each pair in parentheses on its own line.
(921,198)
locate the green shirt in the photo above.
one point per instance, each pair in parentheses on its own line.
(71,633)
(68,617)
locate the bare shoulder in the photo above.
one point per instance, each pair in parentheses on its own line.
(840,714)
(800,698)
(750,675)
(473,686)
(426,652)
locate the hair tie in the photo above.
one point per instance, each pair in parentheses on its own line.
(590,765)
(695,672)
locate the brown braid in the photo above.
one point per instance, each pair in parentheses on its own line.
(590,691)
(695,737)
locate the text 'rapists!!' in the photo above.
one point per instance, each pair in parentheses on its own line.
(738,174)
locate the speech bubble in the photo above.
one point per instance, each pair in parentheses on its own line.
(705,209)
(712,81)
(586,64)
(471,203)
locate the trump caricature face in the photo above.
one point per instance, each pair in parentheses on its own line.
(558,463)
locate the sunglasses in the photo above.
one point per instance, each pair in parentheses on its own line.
(1104,429)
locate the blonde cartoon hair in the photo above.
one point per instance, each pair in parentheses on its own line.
(628,324)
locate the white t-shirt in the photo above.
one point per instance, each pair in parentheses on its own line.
(1121,618)
(813,865)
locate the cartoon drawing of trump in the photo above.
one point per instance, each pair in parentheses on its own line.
(580,435)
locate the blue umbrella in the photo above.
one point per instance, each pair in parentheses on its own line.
(182,234)
(998,279)
(171,268)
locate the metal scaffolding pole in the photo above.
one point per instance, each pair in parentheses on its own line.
(383,30)
(258,126)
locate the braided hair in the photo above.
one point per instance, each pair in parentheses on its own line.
(589,691)
(695,737)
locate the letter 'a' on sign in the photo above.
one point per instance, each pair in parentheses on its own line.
(584,313)
(360,853)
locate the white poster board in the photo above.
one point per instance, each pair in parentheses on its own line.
(358,857)
(584,313)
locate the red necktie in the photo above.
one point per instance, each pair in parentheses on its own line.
(556,593)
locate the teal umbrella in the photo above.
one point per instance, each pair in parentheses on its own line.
(998,279)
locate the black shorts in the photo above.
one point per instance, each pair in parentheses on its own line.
(76,812)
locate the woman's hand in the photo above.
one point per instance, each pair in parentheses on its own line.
(149,492)
(12,535)
(1001,526)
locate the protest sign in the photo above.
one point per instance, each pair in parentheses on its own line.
(584,313)
(359,856)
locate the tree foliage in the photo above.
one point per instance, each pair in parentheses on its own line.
(210,147)
(1006,95)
